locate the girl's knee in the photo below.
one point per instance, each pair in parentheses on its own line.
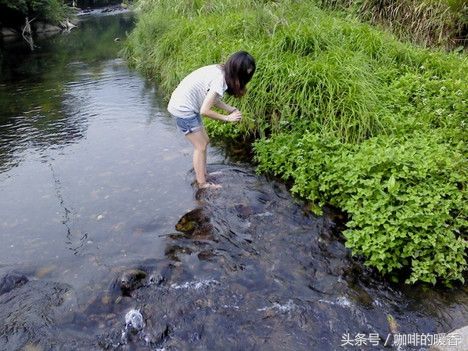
(199,140)
(206,141)
(201,146)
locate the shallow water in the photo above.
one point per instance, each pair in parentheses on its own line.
(98,216)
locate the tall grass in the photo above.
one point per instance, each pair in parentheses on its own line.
(337,73)
(429,22)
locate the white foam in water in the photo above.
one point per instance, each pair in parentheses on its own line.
(134,320)
(265,214)
(341,301)
(134,324)
(195,285)
(289,306)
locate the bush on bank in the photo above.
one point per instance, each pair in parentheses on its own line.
(403,195)
(349,114)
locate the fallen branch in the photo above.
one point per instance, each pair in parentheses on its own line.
(67,25)
(27,33)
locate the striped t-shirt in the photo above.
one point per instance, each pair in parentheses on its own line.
(188,97)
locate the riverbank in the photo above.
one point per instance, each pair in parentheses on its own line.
(347,113)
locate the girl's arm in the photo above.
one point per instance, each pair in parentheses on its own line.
(211,100)
(223,106)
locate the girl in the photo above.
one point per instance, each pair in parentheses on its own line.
(202,90)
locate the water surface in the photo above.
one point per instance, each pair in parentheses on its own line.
(92,169)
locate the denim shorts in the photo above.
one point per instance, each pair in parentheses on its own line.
(189,124)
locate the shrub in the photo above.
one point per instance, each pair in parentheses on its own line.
(16,10)
(406,197)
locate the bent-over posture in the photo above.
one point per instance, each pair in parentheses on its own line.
(202,90)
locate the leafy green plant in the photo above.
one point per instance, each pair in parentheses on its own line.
(406,197)
(46,10)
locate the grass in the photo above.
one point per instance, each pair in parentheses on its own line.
(442,23)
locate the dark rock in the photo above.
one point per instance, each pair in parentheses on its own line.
(31,313)
(130,280)
(11,281)
(195,224)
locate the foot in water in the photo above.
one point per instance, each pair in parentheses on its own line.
(209,186)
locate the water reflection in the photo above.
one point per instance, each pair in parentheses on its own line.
(39,106)
(90,173)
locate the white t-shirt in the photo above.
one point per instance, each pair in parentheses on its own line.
(188,97)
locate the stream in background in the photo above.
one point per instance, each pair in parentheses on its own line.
(98,216)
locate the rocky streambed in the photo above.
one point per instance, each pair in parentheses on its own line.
(248,268)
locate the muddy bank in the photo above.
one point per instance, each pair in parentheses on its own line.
(247,269)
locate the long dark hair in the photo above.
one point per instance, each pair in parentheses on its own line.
(238,71)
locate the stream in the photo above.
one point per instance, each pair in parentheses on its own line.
(99,217)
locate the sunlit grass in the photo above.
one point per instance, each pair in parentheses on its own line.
(316,71)
(427,22)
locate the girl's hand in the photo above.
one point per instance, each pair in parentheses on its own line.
(235,116)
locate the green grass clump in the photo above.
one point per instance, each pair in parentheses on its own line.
(349,114)
(428,22)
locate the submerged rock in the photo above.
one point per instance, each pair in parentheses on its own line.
(11,281)
(31,313)
(131,280)
(128,280)
(195,224)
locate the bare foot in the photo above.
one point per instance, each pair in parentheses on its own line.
(209,186)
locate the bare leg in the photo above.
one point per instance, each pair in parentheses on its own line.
(205,135)
(200,140)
